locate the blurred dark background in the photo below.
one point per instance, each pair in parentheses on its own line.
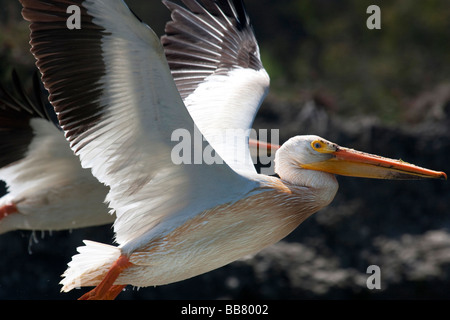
(381,91)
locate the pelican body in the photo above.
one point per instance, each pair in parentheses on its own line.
(119,105)
(261,217)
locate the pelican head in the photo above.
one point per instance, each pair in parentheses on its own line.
(311,152)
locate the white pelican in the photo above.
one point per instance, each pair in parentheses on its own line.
(45,180)
(118,104)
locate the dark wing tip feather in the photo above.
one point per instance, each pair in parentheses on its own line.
(18,103)
(206,37)
(70,61)
(236,9)
(17,107)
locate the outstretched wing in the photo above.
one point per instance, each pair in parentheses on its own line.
(29,138)
(214,58)
(116,100)
(43,177)
(16,111)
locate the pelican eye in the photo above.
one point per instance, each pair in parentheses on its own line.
(318,145)
(323,147)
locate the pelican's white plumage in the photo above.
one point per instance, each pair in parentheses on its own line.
(119,104)
(44,179)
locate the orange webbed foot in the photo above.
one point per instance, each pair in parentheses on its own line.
(106,290)
(7,210)
(110,294)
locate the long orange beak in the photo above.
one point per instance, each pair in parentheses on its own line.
(349,162)
(256,145)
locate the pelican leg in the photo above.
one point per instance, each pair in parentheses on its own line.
(106,290)
(8,209)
